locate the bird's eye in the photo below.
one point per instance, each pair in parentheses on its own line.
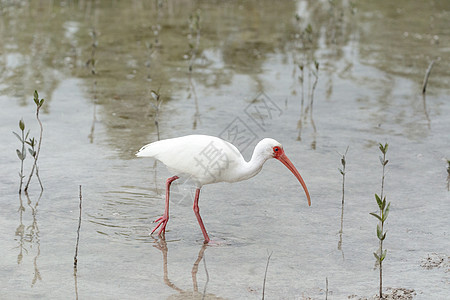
(276,149)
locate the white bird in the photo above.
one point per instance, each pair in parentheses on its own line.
(207,159)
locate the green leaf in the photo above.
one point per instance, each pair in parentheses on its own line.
(26,135)
(383,255)
(18,136)
(378,200)
(376,216)
(31,142)
(41,102)
(383,204)
(36,97)
(386,212)
(384,148)
(383,237)
(385,162)
(379,232)
(21,125)
(32,152)
(155,95)
(20,154)
(376,256)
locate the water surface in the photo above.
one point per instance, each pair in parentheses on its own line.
(252,70)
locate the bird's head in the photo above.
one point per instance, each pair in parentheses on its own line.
(271,148)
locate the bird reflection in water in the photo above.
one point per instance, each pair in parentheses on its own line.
(161,245)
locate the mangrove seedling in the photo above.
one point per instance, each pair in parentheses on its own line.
(380,255)
(381,234)
(21,154)
(265,274)
(316,78)
(343,172)
(39,103)
(301,79)
(32,143)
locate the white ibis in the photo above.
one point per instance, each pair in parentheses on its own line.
(207,159)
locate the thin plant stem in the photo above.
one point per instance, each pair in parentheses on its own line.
(265,274)
(382,227)
(424,89)
(21,154)
(21,161)
(427,75)
(303,85)
(36,156)
(75,258)
(316,78)
(343,172)
(382,216)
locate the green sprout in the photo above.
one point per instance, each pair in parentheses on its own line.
(32,142)
(384,207)
(21,154)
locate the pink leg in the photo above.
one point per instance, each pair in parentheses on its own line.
(199,219)
(165,218)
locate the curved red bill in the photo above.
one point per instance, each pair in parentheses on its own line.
(285,160)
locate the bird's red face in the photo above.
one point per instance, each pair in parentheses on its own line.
(277,151)
(279,154)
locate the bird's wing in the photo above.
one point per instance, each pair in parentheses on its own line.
(205,158)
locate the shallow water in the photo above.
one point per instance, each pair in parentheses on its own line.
(372,60)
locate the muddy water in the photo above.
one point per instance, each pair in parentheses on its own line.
(253,70)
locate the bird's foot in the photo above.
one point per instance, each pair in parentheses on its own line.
(162,222)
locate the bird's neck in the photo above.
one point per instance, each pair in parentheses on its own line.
(253,166)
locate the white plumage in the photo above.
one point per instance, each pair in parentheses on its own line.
(207,159)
